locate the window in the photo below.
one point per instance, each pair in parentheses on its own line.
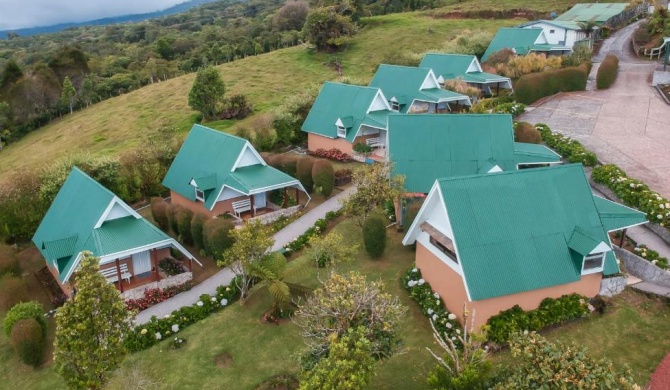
(440,241)
(341,132)
(199,195)
(443,248)
(395,106)
(552,31)
(593,261)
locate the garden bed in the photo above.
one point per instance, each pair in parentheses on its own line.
(51,286)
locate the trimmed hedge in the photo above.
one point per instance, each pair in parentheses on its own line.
(568,148)
(550,312)
(527,133)
(22,311)
(172,217)
(607,72)
(12,291)
(323,175)
(160,213)
(304,173)
(197,229)
(534,86)
(217,236)
(374,236)
(184,217)
(288,164)
(28,341)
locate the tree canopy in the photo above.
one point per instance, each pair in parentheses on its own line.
(207,93)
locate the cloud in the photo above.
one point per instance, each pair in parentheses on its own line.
(16,14)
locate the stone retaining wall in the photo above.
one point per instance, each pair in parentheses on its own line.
(637,266)
(275,215)
(171,281)
(610,287)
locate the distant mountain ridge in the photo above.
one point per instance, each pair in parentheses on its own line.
(175,9)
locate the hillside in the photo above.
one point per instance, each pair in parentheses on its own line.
(119,123)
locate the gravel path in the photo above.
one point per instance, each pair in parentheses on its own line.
(225,276)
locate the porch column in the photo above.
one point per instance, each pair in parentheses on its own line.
(623,238)
(118,274)
(285,202)
(497,88)
(297,196)
(190,265)
(253,211)
(154,262)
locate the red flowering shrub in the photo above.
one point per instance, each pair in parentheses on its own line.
(154,296)
(333,154)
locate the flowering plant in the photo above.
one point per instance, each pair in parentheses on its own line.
(177,342)
(333,154)
(651,256)
(567,147)
(154,296)
(319,228)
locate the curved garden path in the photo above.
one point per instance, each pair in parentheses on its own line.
(225,276)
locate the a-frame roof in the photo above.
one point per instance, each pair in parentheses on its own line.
(460,66)
(616,216)
(76,222)
(521,40)
(347,103)
(596,12)
(512,229)
(407,83)
(213,160)
(431,146)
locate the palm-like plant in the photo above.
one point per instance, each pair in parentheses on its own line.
(271,270)
(587,27)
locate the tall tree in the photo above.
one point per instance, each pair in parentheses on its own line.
(252,244)
(374,186)
(327,29)
(69,94)
(207,92)
(292,15)
(90,329)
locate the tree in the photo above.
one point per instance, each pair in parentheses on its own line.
(588,27)
(10,74)
(5,123)
(90,329)
(291,16)
(348,366)
(374,235)
(330,250)
(87,90)
(207,93)
(345,302)
(373,189)
(271,270)
(543,364)
(251,245)
(69,94)
(327,29)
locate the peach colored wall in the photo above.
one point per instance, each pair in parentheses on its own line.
(449,285)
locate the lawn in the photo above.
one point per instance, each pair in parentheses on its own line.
(115,125)
(546,6)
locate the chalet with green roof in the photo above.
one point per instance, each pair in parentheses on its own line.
(426,147)
(523,41)
(411,90)
(85,216)
(467,68)
(517,237)
(563,33)
(216,173)
(344,115)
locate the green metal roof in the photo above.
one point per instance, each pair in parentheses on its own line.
(533,154)
(449,66)
(522,40)
(558,23)
(483,77)
(404,83)
(69,225)
(582,241)
(258,177)
(346,102)
(429,146)
(596,12)
(616,217)
(512,228)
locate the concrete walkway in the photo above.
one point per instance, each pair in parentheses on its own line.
(225,276)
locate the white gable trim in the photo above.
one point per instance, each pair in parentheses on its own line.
(495,169)
(247,146)
(602,247)
(156,245)
(430,81)
(379,98)
(73,268)
(339,123)
(220,192)
(474,66)
(111,204)
(193,183)
(541,39)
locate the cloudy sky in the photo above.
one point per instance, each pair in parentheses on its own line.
(31,13)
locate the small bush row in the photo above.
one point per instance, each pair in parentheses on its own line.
(512,108)
(532,87)
(607,72)
(651,256)
(146,335)
(319,227)
(155,296)
(634,193)
(550,312)
(431,304)
(313,174)
(567,147)
(333,154)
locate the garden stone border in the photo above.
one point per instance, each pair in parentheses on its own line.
(171,281)
(610,287)
(643,269)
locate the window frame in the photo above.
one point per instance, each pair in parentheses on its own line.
(341,131)
(592,257)
(443,248)
(201,195)
(395,106)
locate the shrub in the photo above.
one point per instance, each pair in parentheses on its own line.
(28,341)
(323,176)
(343,176)
(333,154)
(12,291)
(580,55)
(22,311)
(527,133)
(172,217)
(468,42)
(362,148)
(512,108)
(171,266)
(197,229)
(218,236)
(500,57)
(518,66)
(460,86)
(159,211)
(288,164)
(532,87)
(567,147)
(374,235)
(265,138)
(304,173)
(607,72)
(550,312)
(403,58)
(184,217)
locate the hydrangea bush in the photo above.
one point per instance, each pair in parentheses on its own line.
(146,335)
(567,147)
(513,108)
(431,304)
(651,256)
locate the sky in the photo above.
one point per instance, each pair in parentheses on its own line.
(16,14)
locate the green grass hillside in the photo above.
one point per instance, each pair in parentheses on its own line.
(117,124)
